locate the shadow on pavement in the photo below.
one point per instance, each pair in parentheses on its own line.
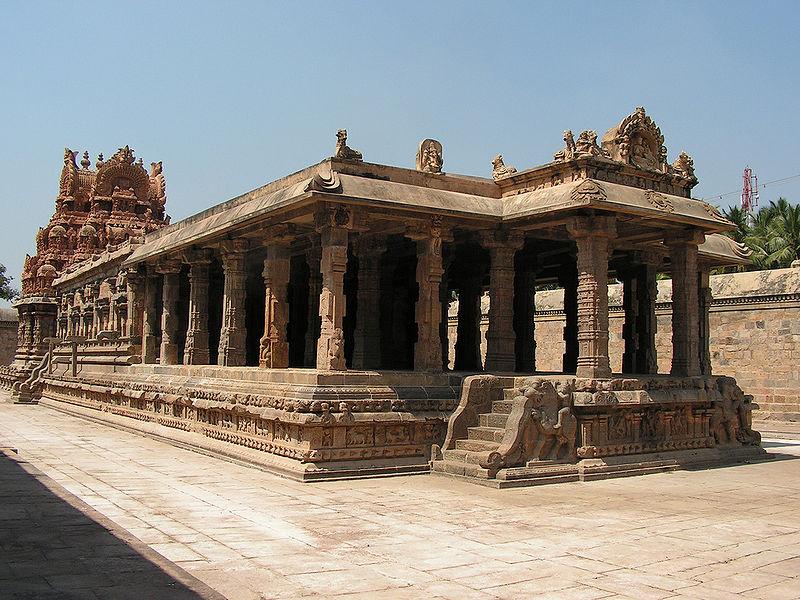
(53,545)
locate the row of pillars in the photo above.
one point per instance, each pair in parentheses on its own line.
(510,343)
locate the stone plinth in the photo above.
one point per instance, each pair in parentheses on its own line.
(303,423)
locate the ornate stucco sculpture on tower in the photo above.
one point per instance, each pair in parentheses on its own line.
(97,209)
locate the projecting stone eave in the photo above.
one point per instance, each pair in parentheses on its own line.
(652,207)
(105,264)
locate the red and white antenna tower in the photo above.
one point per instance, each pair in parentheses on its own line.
(749,191)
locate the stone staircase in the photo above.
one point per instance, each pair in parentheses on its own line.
(466,457)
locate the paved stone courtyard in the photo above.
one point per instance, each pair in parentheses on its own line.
(77,496)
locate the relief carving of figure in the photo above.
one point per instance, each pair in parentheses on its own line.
(499,168)
(556,426)
(731,420)
(344,151)
(336,350)
(429,156)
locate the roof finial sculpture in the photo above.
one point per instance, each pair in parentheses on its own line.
(500,169)
(568,153)
(85,162)
(344,151)
(99,162)
(429,156)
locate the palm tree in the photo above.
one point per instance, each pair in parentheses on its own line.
(773,233)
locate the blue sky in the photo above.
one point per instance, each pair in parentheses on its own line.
(230,95)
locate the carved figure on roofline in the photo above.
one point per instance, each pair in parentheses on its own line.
(684,166)
(586,145)
(638,141)
(500,169)
(568,153)
(344,151)
(429,156)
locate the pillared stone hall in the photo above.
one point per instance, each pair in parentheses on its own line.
(303,326)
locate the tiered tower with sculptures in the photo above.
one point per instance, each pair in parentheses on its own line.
(97,210)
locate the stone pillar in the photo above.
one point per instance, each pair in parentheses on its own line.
(150,319)
(313,255)
(444,302)
(428,309)
(500,337)
(592,236)
(274,345)
(468,333)
(629,277)
(647,288)
(705,327)
(196,349)
(135,288)
(685,302)
(169,312)
(330,347)
(568,279)
(233,336)
(367,335)
(524,319)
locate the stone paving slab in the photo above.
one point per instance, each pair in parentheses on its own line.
(722,533)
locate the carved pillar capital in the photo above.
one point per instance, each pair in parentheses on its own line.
(169,266)
(592,226)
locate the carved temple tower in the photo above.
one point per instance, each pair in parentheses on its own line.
(97,210)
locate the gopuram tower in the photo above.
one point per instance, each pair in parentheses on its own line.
(97,211)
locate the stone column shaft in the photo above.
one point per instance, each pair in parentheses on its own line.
(330,347)
(592,236)
(274,345)
(568,279)
(500,336)
(196,351)
(468,333)
(705,326)
(428,309)
(367,335)
(135,307)
(524,317)
(313,256)
(150,320)
(685,304)
(233,335)
(169,312)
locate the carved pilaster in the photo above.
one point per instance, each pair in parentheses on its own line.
(428,310)
(500,336)
(233,335)
(169,312)
(274,345)
(196,350)
(367,335)
(647,287)
(333,263)
(592,236)
(685,302)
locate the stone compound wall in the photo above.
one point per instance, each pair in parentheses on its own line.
(8,335)
(755,335)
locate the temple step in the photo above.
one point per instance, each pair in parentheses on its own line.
(463,456)
(459,468)
(502,406)
(476,445)
(494,420)
(489,434)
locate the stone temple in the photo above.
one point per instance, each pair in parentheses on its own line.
(303,326)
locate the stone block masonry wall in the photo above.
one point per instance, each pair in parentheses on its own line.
(8,336)
(755,335)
